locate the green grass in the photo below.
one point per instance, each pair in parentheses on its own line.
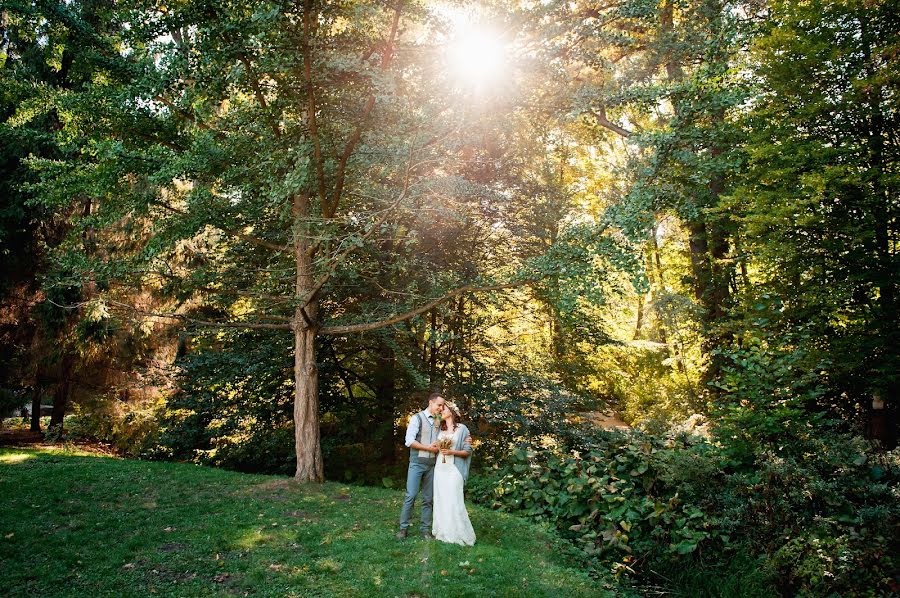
(76,524)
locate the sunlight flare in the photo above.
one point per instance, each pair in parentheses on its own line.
(477,55)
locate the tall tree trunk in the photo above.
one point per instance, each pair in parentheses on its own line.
(719,293)
(698,246)
(306,405)
(656,286)
(883,190)
(708,240)
(36,394)
(61,394)
(640,318)
(675,341)
(705,293)
(385,384)
(306,372)
(433,345)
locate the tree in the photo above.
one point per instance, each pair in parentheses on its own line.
(264,147)
(662,78)
(818,206)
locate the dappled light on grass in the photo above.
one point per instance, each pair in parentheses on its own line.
(15,458)
(169,529)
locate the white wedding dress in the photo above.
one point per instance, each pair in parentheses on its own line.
(451,521)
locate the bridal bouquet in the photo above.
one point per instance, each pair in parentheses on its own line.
(444,443)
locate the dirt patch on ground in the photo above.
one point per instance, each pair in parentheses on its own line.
(608,420)
(20,438)
(279,485)
(277,490)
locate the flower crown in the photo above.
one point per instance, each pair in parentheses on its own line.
(453,409)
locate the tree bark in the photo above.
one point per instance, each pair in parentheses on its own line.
(640,318)
(699,251)
(306,372)
(36,395)
(306,406)
(385,394)
(61,394)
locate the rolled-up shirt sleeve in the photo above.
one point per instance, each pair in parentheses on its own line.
(412,430)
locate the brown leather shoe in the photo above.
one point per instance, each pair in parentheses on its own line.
(401,534)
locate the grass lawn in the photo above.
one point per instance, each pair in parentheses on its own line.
(78,524)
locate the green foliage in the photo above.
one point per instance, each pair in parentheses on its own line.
(816,517)
(817,207)
(770,390)
(509,407)
(614,496)
(646,384)
(129,429)
(233,406)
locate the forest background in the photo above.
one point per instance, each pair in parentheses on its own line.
(257,235)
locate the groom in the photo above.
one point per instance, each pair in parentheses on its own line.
(421,438)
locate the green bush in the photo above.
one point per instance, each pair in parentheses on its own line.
(617,498)
(130,429)
(233,408)
(820,517)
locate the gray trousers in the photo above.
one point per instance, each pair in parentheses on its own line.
(419,475)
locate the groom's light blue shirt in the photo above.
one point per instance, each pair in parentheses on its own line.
(415,422)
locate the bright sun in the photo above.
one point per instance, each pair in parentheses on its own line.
(477,55)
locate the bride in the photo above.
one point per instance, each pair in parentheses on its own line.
(451,521)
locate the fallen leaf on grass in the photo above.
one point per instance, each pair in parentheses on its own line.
(128,566)
(9,535)
(222,577)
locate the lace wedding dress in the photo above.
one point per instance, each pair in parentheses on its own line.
(451,521)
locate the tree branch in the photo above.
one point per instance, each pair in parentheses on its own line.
(184,114)
(311,105)
(206,323)
(336,260)
(254,83)
(242,236)
(364,118)
(351,328)
(600,115)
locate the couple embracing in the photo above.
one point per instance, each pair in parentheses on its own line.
(440,450)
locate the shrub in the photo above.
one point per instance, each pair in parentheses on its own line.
(130,428)
(819,517)
(617,499)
